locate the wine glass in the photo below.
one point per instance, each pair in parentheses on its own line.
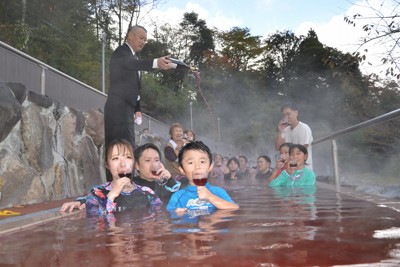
(200,178)
(125,171)
(279,159)
(155,171)
(293,163)
(285,121)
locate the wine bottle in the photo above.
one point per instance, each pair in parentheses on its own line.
(177,64)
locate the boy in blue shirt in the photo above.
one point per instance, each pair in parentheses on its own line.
(195,158)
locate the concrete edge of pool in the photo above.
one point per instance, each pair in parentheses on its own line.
(21,222)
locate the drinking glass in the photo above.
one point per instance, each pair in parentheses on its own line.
(280,159)
(155,170)
(293,163)
(285,121)
(125,171)
(200,178)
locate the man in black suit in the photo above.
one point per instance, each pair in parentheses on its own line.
(122,107)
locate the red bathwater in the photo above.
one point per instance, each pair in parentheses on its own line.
(283,227)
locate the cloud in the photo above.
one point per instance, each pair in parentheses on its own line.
(334,33)
(174,16)
(347,38)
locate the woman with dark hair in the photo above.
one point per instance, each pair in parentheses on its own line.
(282,160)
(296,174)
(264,168)
(119,193)
(145,157)
(189,135)
(234,173)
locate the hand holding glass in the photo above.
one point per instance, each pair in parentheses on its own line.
(200,178)
(279,160)
(285,121)
(125,171)
(156,171)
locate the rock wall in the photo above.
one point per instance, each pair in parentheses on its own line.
(47,151)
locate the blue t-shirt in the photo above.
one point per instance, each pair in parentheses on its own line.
(188,198)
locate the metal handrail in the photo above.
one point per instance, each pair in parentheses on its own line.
(48,67)
(372,122)
(85,93)
(375,121)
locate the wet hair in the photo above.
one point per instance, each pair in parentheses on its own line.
(290,105)
(173,126)
(285,144)
(140,149)
(268,159)
(233,159)
(299,147)
(243,157)
(122,145)
(195,145)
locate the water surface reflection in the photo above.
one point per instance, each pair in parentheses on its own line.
(274,227)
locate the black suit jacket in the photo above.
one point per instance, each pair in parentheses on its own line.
(125,86)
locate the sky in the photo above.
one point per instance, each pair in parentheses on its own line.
(265,17)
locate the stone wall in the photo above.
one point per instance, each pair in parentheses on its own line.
(47,151)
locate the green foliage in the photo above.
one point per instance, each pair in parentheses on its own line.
(240,48)
(60,34)
(161,101)
(242,79)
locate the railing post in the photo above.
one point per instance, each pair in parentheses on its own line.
(191,116)
(43,81)
(103,62)
(149,123)
(336,164)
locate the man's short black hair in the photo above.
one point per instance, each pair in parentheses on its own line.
(243,157)
(290,105)
(140,149)
(268,159)
(195,145)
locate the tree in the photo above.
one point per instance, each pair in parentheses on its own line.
(381,22)
(277,57)
(126,13)
(60,33)
(240,47)
(199,37)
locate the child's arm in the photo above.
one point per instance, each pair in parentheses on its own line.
(274,174)
(217,201)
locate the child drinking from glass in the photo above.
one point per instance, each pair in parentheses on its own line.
(195,162)
(295,174)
